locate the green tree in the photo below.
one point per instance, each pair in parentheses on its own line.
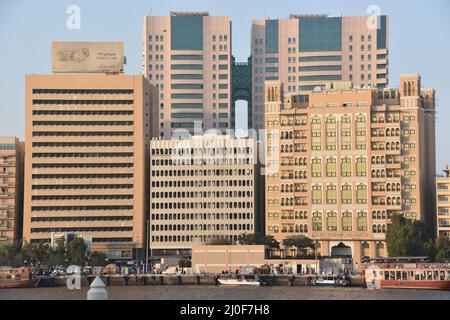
(97,259)
(76,251)
(300,242)
(10,254)
(406,237)
(57,255)
(442,250)
(255,238)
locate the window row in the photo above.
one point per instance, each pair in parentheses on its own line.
(202,205)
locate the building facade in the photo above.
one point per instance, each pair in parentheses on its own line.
(202,191)
(187,56)
(341,161)
(88,138)
(11,189)
(304,52)
(443,204)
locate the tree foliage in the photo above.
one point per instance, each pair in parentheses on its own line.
(255,238)
(18,254)
(442,250)
(76,251)
(97,259)
(408,238)
(300,242)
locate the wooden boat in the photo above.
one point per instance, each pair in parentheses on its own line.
(18,278)
(408,276)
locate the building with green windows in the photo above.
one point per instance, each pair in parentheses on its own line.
(305,52)
(187,56)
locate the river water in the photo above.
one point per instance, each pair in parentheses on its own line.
(187,292)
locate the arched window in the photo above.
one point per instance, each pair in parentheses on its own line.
(347,221)
(317,194)
(361,194)
(346,194)
(331,194)
(332,221)
(317,221)
(362,221)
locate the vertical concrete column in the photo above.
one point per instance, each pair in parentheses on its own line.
(373,249)
(324,248)
(357,252)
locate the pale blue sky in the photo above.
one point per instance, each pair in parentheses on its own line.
(419,40)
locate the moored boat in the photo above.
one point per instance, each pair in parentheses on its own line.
(239,281)
(408,276)
(18,278)
(331,280)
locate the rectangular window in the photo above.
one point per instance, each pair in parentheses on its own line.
(187,67)
(187,96)
(321,68)
(187,76)
(320,58)
(320,34)
(271,69)
(271,32)
(320,78)
(271,60)
(187,57)
(186,32)
(187,106)
(187,115)
(187,86)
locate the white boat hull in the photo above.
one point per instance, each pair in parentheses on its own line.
(234,282)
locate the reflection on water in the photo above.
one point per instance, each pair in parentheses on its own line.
(226,293)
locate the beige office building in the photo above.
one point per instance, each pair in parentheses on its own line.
(87,135)
(307,51)
(187,56)
(443,204)
(202,191)
(341,161)
(11,189)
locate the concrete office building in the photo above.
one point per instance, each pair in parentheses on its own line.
(443,204)
(202,191)
(11,189)
(342,160)
(88,130)
(187,56)
(306,51)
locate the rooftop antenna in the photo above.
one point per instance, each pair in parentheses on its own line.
(447,171)
(150,11)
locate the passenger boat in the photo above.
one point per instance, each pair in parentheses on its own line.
(239,281)
(18,278)
(408,276)
(331,280)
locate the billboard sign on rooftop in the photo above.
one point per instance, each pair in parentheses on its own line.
(87,57)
